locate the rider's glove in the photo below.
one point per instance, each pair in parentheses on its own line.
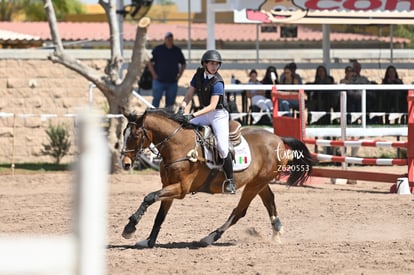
(180,111)
(189,116)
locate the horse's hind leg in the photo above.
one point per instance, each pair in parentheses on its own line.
(216,234)
(239,212)
(268,199)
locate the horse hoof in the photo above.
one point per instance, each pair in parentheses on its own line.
(204,242)
(143,244)
(277,235)
(281,230)
(276,238)
(128,231)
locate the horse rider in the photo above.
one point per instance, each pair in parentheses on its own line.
(209,86)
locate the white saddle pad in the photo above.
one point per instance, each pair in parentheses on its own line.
(242,158)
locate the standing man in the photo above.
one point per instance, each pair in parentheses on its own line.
(166,66)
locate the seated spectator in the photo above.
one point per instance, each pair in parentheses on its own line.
(358,78)
(322,76)
(349,74)
(354,96)
(257,97)
(391,76)
(289,78)
(323,101)
(293,68)
(272,78)
(393,100)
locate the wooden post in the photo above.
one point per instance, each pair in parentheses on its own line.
(13,144)
(410,145)
(286,126)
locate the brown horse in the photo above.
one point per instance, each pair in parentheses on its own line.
(183,172)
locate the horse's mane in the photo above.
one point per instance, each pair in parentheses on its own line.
(179,118)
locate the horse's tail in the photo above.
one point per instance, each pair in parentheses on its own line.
(301,162)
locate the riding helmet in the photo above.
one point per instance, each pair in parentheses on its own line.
(211,55)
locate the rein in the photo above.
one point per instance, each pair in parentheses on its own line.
(165,140)
(159,145)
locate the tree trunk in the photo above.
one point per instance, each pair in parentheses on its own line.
(116,90)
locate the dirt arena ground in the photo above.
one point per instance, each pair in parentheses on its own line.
(329,228)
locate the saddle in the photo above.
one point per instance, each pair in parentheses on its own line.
(209,142)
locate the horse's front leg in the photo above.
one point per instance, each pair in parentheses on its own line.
(166,195)
(162,213)
(136,217)
(268,199)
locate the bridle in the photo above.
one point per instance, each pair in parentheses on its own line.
(144,134)
(135,134)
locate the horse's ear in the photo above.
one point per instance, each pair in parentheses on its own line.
(124,111)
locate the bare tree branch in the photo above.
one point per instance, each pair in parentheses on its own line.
(59,55)
(115,65)
(139,56)
(116,89)
(50,11)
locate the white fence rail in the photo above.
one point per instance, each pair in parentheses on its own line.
(362,130)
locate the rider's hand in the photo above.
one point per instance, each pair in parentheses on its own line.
(189,116)
(180,111)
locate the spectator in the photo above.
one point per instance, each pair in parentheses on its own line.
(349,76)
(167,66)
(354,96)
(391,76)
(394,100)
(358,78)
(349,73)
(322,76)
(324,100)
(293,68)
(271,77)
(289,78)
(257,97)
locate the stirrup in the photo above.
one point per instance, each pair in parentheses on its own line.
(228,187)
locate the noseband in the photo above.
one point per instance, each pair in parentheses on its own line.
(139,149)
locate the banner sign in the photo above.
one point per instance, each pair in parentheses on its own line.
(326,11)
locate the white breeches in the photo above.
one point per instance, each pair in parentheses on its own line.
(219,122)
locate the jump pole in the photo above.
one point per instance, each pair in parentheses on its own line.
(410,150)
(294,127)
(375,176)
(410,145)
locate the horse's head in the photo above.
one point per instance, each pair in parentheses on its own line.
(136,139)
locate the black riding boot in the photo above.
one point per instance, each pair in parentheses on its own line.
(228,185)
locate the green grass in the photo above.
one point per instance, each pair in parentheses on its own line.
(35,167)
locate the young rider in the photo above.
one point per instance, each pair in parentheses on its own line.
(209,86)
